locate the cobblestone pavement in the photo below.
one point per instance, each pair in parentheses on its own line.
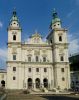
(37,97)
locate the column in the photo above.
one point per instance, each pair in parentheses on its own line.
(41,78)
(33,78)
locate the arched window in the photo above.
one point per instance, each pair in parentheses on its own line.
(14,37)
(61,58)
(37,82)
(3,83)
(29,83)
(60,38)
(45,81)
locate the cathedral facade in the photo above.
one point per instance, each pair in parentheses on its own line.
(36,63)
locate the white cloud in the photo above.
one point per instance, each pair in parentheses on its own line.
(73,44)
(70,14)
(1,24)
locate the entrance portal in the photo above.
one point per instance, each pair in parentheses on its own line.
(45,81)
(29,83)
(37,81)
(3,83)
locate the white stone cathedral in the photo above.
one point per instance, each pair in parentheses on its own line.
(35,63)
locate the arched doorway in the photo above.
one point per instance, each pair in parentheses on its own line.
(37,81)
(3,83)
(29,83)
(45,81)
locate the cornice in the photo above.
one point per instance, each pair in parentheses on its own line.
(60,29)
(36,45)
(40,63)
(12,28)
(36,63)
(10,44)
(61,63)
(13,62)
(48,46)
(56,29)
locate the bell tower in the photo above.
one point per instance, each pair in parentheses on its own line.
(14,29)
(57,38)
(14,52)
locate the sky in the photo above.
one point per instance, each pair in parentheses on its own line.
(37,15)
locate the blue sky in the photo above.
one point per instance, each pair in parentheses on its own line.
(37,15)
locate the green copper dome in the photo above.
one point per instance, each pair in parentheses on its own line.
(55,17)
(56,20)
(14,17)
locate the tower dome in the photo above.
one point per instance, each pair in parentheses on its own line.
(14,21)
(56,22)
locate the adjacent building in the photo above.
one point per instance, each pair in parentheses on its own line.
(74,69)
(3,77)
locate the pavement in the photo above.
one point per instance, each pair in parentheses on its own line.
(21,96)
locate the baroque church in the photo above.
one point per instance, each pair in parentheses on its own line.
(36,63)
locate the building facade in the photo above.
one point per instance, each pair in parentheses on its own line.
(74,70)
(34,63)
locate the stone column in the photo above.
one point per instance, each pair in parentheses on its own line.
(41,78)
(33,78)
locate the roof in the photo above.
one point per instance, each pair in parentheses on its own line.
(55,17)
(56,20)
(75,54)
(3,71)
(36,35)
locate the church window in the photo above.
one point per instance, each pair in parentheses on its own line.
(14,57)
(44,59)
(29,59)
(37,58)
(37,69)
(45,69)
(14,68)
(60,38)
(14,78)
(61,58)
(63,79)
(14,37)
(62,69)
(29,69)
